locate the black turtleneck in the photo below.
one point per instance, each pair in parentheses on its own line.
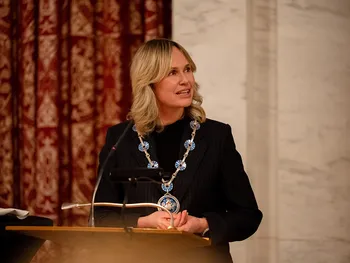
(168,144)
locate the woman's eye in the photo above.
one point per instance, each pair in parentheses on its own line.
(172,72)
(188,69)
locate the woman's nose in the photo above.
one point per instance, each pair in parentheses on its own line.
(184,79)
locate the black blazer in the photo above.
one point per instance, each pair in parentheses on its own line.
(214,184)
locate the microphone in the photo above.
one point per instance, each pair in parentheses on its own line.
(100,174)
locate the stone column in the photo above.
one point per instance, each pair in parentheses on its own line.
(314,131)
(262,139)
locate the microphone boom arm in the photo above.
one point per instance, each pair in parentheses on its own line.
(66,206)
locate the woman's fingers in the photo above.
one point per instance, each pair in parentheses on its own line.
(161,220)
(163,224)
(177,219)
(182,228)
(184,218)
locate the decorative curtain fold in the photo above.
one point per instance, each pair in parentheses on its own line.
(64,78)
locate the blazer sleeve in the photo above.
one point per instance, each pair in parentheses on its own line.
(242,216)
(111,192)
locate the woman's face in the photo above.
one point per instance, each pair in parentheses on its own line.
(175,91)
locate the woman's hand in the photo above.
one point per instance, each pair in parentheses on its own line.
(194,225)
(158,219)
(161,220)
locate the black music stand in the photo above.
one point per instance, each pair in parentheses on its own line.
(16,247)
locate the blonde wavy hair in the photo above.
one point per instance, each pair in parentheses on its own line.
(152,63)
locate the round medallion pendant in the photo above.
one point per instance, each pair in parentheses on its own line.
(170,202)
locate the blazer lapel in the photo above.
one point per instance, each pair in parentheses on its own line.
(185,178)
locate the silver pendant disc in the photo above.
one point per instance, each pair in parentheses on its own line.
(170,202)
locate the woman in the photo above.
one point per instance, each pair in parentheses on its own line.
(208,191)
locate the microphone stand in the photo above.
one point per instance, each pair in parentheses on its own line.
(100,174)
(66,206)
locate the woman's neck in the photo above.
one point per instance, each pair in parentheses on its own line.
(170,116)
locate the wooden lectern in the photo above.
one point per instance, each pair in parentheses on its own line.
(126,245)
(105,245)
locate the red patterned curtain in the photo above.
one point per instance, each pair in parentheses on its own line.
(64,78)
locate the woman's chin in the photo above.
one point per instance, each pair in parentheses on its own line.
(186,102)
(180,103)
